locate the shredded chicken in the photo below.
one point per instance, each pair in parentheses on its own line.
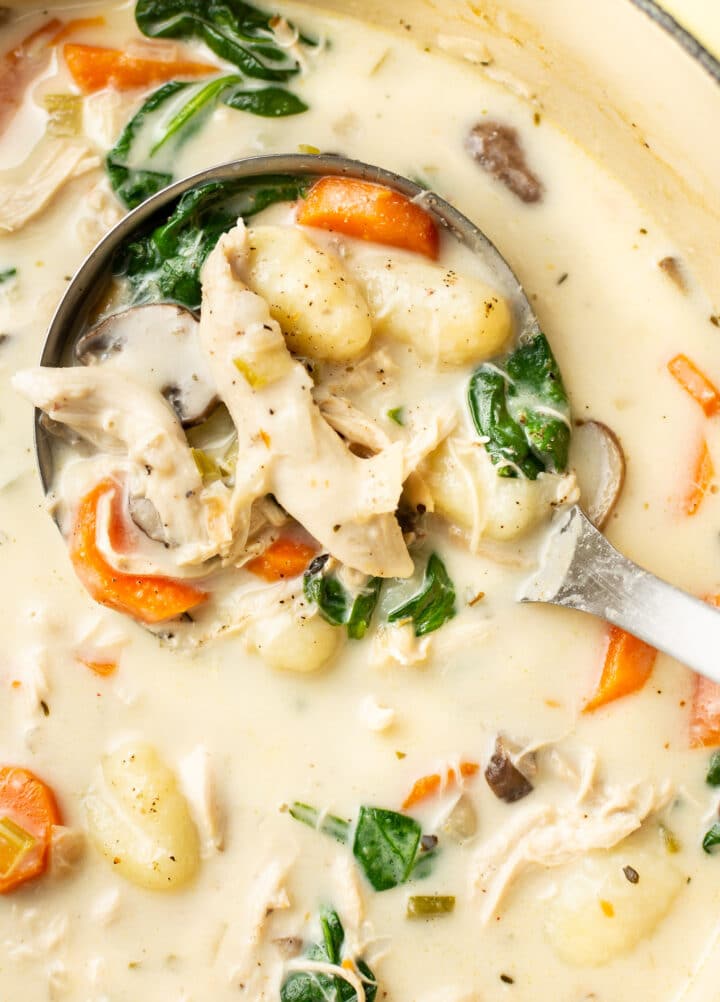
(117,414)
(350,422)
(549,835)
(349,903)
(374,715)
(398,646)
(51,166)
(198,785)
(289,450)
(67,846)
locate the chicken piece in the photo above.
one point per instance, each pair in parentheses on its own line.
(197,782)
(395,645)
(118,415)
(350,422)
(548,835)
(25,191)
(347,503)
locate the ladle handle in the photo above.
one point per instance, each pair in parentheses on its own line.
(581,570)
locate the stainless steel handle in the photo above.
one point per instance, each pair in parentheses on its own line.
(581,570)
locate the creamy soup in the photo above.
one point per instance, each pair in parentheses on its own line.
(275,726)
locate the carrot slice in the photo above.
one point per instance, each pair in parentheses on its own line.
(702,477)
(103,668)
(370,212)
(285,558)
(627,667)
(77,24)
(696,383)
(705,713)
(28,811)
(93,67)
(427,786)
(21,65)
(149,598)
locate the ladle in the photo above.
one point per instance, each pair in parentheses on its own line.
(578,568)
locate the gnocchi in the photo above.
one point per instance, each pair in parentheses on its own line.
(449,318)
(603,911)
(320,309)
(466,490)
(140,820)
(291,643)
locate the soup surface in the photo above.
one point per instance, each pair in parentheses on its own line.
(338,760)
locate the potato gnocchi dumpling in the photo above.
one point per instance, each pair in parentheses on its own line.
(602,911)
(449,318)
(467,491)
(320,309)
(140,820)
(290,643)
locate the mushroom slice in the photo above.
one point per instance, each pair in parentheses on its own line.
(599,463)
(159,344)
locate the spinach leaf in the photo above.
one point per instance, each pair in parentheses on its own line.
(6,274)
(328,824)
(386,846)
(433,605)
(203,97)
(235,31)
(133,185)
(307,986)
(268,102)
(336,604)
(163,265)
(712,838)
(713,773)
(522,411)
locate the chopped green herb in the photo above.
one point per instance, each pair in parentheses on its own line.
(713,773)
(328,824)
(336,604)
(670,840)
(386,846)
(434,604)
(309,986)
(522,411)
(712,838)
(6,274)
(397,414)
(429,905)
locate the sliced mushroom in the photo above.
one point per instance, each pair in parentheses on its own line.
(496,148)
(599,463)
(159,344)
(504,778)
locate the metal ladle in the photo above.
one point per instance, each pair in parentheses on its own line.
(579,569)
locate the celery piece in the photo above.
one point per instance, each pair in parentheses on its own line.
(64,114)
(206,466)
(15,842)
(429,905)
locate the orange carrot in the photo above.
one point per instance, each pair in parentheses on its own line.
(77,24)
(285,558)
(93,68)
(149,598)
(696,383)
(427,786)
(28,812)
(20,65)
(627,667)
(705,713)
(369,212)
(702,478)
(103,668)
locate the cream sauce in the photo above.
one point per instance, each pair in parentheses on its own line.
(272,738)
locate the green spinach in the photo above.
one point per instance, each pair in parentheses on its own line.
(433,605)
(6,274)
(235,31)
(713,773)
(309,986)
(522,411)
(151,129)
(712,838)
(386,846)
(328,824)
(336,604)
(163,264)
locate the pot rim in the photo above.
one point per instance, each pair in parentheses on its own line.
(682,36)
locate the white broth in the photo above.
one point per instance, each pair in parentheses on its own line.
(594,885)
